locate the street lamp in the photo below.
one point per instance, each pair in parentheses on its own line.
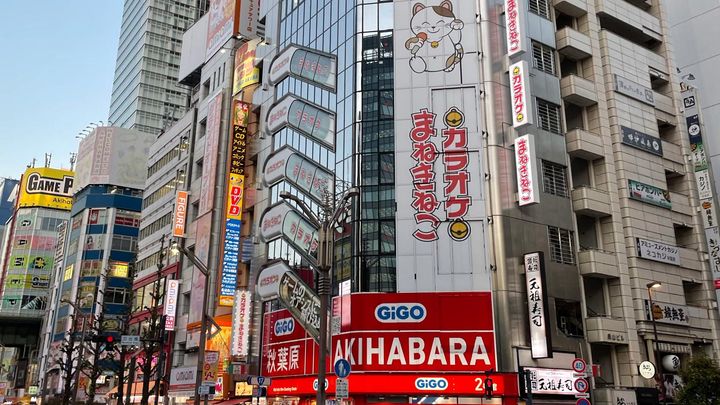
(651,286)
(175,247)
(324,265)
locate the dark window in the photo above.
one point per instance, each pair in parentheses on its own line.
(561,245)
(544,58)
(548,116)
(554,179)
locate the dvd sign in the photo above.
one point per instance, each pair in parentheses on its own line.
(400,313)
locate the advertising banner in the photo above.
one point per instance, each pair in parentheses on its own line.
(538,315)
(657,251)
(241,319)
(519,93)
(667,313)
(515,28)
(171,296)
(180,213)
(303,116)
(292,166)
(309,65)
(46,187)
(649,194)
(246,73)
(210,367)
(281,220)
(642,141)
(210,154)
(222,24)
(526,170)
(202,249)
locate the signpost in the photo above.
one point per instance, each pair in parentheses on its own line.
(302,302)
(580,384)
(342,368)
(259,381)
(130,340)
(341,388)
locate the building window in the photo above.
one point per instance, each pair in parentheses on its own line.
(561,245)
(548,116)
(539,7)
(124,243)
(544,58)
(554,179)
(115,296)
(569,318)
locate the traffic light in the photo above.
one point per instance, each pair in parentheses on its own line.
(488,387)
(109,343)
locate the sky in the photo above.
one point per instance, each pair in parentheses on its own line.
(56,74)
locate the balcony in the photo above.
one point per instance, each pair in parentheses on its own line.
(598,263)
(575,8)
(576,90)
(591,202)
(664,103)
(573,44)
(584,144)
(602,329)
(629,21)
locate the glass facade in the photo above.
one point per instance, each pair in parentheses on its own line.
(360,35)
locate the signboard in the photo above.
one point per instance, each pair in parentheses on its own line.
(210,153)
(667,313)
(634,90)
(241,319)
(515,28)
(519,94)
(231,240)
(552,381)
(302,302)
(538,316)
(642,141)
(179,214)
(342,388)
(210,367)
(221,25)
(246,73)
(309,65)
(248,18)
(46,187)
(526,170)
(292,166)
(130,340)
(702,178)
(182,378)
(647,369)
(171,295)
(303,116)
(649,194)
(625,397)
(268,282)
(281,220)
(657,251)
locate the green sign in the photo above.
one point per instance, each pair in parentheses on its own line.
(649,194)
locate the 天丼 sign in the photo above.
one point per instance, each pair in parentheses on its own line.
(527,178)
(537,307)
(649,194)
(657,251)
(309,65)
(519,89)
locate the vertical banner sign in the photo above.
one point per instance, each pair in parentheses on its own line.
(515,28)
(245,73)
(210,155)
(527,178)
(704,180)
(537,305)
(173,286)
(233,216)
(181,200)
(210,367)
(241,319)
(519,89)
(438,139)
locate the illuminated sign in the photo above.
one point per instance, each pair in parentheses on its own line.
(400,313)
(302,302)
(173,287)
(514,25)
(307,118)
(306,175)
(538,316)
(180,213)
(281,220)
(241,319)
(309,65)
(519,97)
(431,384)
(527,178)
(552,381)
(268,282)
(46,187)
(649,194)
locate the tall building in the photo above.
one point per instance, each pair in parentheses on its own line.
(146,96)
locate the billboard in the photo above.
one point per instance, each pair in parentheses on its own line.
(210,156)
(245,73)
(222,24)
(303,116)
(308,65)
(519,94)
(438,148)
(47,187)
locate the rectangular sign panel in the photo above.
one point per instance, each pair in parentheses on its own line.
(309,65)
(241,319)
(667,313)
(538,315)
(221,25)
(519,94)
(657,251)
(309,119)
(515,28)
(180,213)
(649,194)
(210,154)
(171,296)
(634,90)
(642,141)
(46,187)
(526,170)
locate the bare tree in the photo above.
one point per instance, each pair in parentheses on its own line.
(66,360)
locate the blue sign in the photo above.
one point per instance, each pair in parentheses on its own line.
(582,401)
(247,249)
(228,282)
(342,368)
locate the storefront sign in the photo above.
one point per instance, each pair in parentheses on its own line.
(552,381)
(290,165)
(231,241)
(519,89)
(712,235)
(707,212)
(633,90)
(181,200)
(702,178)
(309,65)
(667,313)
(642,141)
(673,348)
(624,397)
(303,116)
(210,367)
(302,302)
(537,305)
(657,251)
(526,171)
(182,378)
(698,156)
(246,73)
(649,194)
(281,220)
(515,28)
(268,282)
(171,295)
(241,319)
(46,187)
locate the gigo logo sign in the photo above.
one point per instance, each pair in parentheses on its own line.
(431,384)
(400,312)
(284,326)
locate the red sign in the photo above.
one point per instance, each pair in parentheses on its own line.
(181,200)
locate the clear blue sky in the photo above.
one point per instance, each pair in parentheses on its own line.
(56,74)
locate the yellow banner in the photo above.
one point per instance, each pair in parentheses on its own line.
(245,71)
(46,187)
(236,186)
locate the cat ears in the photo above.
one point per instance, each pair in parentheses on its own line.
(419,6)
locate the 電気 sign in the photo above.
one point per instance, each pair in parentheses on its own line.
(307,118)
(537,305)
(281,220)
(657,251)
(241,319)
(309,65)
(309,177)
(527,178)
(519,97)
(46,187)
(221,25)
(649,194)
(642,141)
(515,28)
(171,295)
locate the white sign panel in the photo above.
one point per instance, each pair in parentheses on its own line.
(625,397)
(667,313)
(281,220)
(438,143)
(552,381)
(657,251)
(183,378)
(519,94)
(171,296)
(248,24)
(515,28)
(130,340)
(303,173)
(702,178)
(268,282)
(526,171)
(342,388)
(537,310)
(307,118)
(309,65)
(241,319)
(713,241)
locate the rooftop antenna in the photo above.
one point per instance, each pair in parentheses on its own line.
(73,159)
(48,159)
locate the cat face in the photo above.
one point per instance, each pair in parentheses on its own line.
(432,23)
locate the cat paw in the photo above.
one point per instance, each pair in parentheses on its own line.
(457,24)
(417,64)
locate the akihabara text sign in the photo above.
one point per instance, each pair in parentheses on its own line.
(526,170)
(309,65)
(303,116)
(281,220)
(290,165)
(519,88)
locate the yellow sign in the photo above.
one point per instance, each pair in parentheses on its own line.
(245,71)
(68,272)
(235,196)
(46,187)
(119,269)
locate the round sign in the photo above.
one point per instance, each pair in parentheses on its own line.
(342,368)
(671,362)
(581,385)
(647,369)
(579,365)
(582,401)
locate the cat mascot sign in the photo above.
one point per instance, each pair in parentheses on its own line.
(438,33)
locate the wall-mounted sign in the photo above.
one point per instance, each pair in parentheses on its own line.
(281,220)
(210,154)
(519,94)
(538,315)
(268,281)
(231,240)
(241,319)
(667,313)
(698,156)
(246,73)
(307,118)
(248,25)
(527,178)
(46,187)
(171,296)
(292,166)
(309,65)
(702,178)
(181,201)
(515,28)
(712,235)
(552,381)
(693,128)
(649,194)
(302,302)
(642,141)
(647,370)
(634,90)
(657,251)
